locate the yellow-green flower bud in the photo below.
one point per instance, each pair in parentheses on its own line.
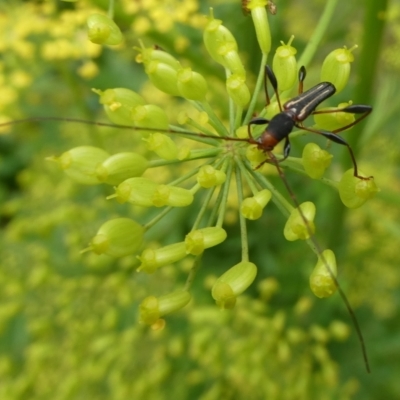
(208,176)
(284,65)
(252,207)
(173,196)
(242,132)
(150,54)
(321,282)
(138,191)
(315,160)
(152,259)
(336,67)
(295,227)
(120,167)
(118,104)
(199,240)
(192,85)
(232,283)
(216,36)
(80,163)
(117,238)
(163,77)
(233,62)
(354,192)
(273,109)
(260,21)
(103,30)
(238,90)
(162,145)
(334,120)
(149,116)
(152,308)
(255,155)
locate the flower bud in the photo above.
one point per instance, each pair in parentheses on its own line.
(216,36)
(233,61)
(252,207)
(162,145)
(80,163)
(336,67)
(284,65)
(208,176)
(321,282)
(191,85)
(315,160)
(150,54)
(354,192)
(232,283)
(163,76)
(103,30)
(118,104)
(255,155)
(238,90)
(117,238)
(261,25)
(138,191)
(152,308)
(120,167)
(295,227)
(173,196)
(149,116)
(199,240)
(273,108)
(152,259)
(334,120)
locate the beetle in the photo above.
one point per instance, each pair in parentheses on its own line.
(296,110)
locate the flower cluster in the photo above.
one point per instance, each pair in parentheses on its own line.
(228,157)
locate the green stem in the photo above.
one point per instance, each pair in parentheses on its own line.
(318,33)
(242,220)
(260,80)
(111,9)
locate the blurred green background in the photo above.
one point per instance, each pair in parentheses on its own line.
(68,322)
